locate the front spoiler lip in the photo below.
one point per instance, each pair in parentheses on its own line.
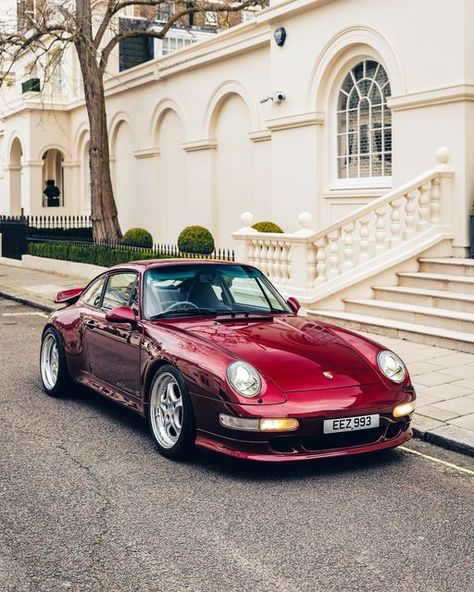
(214,444)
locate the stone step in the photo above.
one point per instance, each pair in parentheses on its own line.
(422,297)
(410,313)
(437,281)
(449,339)
(447,266)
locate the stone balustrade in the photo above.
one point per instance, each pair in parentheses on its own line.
(309,263)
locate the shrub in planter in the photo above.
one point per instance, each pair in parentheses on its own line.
(266,227)
(196,239)
(138,237)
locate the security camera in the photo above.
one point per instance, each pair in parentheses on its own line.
(276,97)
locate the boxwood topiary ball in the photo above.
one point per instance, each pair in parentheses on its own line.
(267,227)
(138,237)
(196,239)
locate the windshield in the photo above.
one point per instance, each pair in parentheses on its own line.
(192,290)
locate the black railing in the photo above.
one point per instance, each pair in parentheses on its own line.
(62,237)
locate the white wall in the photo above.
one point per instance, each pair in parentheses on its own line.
(228,153)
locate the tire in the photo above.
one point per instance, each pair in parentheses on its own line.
(53,367)
(170,414)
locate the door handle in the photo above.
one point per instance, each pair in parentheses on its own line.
(90,324)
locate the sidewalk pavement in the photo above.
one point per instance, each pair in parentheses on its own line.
(443,378)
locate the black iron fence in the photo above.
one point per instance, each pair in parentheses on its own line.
(54,227)
(70,238)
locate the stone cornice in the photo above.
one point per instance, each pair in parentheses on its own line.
(435,96)
(146,153)
(196,145)
(297,120)
(260,136)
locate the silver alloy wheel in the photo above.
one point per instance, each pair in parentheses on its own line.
(49,361)
(166,410)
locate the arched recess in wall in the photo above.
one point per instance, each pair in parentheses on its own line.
(234,166)
(346,50)
(85,174)
(14,169)
(53,182)
(124,182)
(172,176)
(83,181)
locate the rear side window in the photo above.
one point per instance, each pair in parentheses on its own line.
(120,290)
(93,293)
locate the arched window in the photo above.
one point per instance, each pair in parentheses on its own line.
(364,123)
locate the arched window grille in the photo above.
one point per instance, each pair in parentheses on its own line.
(364,123)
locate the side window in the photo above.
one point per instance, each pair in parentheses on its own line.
(92,295)
(119,290)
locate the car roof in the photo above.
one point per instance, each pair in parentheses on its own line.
(153,263)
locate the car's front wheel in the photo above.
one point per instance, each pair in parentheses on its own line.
(170,414)
(53,367)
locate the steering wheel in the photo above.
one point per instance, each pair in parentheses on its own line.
(187,303)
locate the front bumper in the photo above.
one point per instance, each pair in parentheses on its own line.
(312,445)
(311,409)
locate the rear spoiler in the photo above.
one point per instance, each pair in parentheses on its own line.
(68,296)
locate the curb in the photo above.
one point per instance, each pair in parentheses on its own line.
(27,302)
(443,441)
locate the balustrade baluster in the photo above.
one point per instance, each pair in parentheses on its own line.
(435,201)
(364,239)
(333,237)
(380,223)
(321,260)
(348,262)
(410,211)
(395,224)
(424,208)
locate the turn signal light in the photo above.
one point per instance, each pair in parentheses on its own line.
(284,424)
(404,409)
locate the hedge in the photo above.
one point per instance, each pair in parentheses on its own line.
(138,237)
(196,239)
(267,227)
(103,255)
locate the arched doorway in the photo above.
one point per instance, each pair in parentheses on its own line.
(16,153)
(53,178)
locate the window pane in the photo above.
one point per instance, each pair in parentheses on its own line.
(342,167)
(353,120)
(341,144)
(119,291)
(342,101)
(341,122)
(363,115)
(93,293)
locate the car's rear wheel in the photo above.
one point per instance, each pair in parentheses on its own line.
(53,367)
(170,414)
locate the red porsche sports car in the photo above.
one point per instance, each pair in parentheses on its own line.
(213,356)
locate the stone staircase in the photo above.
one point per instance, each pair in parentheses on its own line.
(433,305)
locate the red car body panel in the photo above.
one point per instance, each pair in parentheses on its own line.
(292,354)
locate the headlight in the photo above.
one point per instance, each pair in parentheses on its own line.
(391,366)
(244,379)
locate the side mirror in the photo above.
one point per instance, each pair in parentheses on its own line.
(121,314)
(293,304)
(68,296)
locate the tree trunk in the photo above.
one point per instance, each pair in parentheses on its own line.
(105,225)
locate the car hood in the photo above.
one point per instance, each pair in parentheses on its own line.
(293,352)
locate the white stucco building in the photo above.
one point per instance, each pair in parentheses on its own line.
(373,88)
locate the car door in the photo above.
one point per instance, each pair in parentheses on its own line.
(114,348)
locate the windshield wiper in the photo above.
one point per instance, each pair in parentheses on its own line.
(184,313)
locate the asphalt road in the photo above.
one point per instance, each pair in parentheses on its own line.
(87,504)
